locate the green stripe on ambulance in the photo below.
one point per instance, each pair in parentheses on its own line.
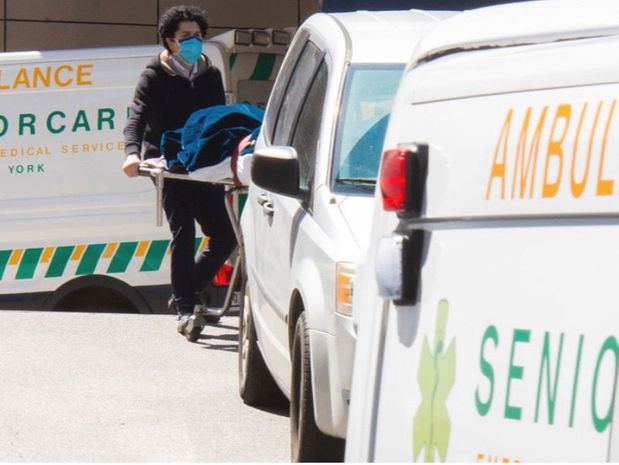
(260,70)
(25,262)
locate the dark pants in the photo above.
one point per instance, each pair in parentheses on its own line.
(184,202)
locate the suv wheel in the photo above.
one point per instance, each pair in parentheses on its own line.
(307,442)
(256,385)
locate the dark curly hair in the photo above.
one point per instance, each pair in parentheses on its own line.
(168,23)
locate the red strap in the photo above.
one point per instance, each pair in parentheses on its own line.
(234,158)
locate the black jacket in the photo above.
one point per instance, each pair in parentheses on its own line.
(164,100)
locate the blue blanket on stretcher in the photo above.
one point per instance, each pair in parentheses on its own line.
(209,136)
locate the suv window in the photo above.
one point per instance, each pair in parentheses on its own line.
(295,93)
(281,83)
(366,104)
(305,138)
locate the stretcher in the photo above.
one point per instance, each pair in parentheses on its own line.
(158,173)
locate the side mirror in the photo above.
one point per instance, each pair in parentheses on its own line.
(276,169)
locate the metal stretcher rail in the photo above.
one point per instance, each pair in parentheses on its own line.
(159,174)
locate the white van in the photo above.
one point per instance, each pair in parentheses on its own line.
(75,232)
(307,216)
(487,304)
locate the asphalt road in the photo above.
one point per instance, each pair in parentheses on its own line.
(109,387)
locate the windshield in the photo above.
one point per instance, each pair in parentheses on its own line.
(368,95)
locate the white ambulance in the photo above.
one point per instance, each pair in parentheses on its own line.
(75,232)
(487,304)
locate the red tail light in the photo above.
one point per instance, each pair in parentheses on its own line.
(393,180)
(222,278)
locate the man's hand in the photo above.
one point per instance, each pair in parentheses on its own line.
(130,166)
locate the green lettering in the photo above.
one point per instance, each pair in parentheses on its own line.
(551,391)
(486,368)
(4,123)
(576,375)
(602,423)
(105,115)
(26,120)
(81,121)
(515,372)
(50,127)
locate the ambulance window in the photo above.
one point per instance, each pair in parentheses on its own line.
(368,95)
(295,93)
(304,139)
(281,83)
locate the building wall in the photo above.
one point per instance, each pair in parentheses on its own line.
(59,24)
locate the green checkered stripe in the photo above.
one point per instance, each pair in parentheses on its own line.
(115,257)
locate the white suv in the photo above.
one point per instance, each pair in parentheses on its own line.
(307,216)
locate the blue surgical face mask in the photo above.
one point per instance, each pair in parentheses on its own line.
(190,49)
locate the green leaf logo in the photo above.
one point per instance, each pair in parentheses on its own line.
(436,376)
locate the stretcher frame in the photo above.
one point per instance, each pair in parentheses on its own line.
(159,174)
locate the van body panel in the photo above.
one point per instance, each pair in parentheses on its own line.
(508,351)
(529,354)
(67,208)
(538,151)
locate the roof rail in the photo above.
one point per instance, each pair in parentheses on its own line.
(340,6)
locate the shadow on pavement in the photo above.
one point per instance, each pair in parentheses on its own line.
(222,337)
(217,325)
(213,345)
(222,347)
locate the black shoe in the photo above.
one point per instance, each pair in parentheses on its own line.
(193,328)
(183,321)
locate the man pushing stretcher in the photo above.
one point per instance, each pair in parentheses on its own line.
(176,83)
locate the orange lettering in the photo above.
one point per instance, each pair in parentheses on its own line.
(82,74)
(527,168)
(21,79)
(498,167)
(579,187)
(57,80)
(3,86)
(605,186)
(46,78)
(555,149)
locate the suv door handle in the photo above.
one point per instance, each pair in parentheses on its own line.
(267,208)
(262,199)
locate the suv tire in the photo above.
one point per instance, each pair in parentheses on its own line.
(256,385)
